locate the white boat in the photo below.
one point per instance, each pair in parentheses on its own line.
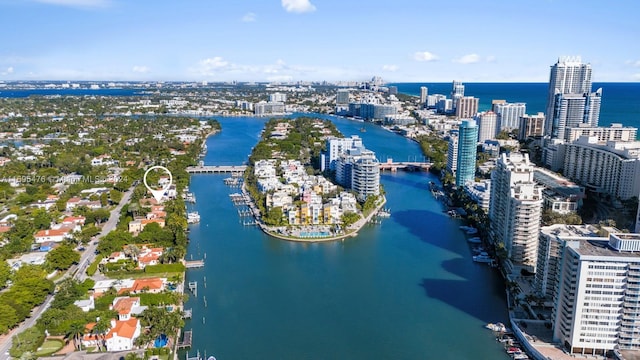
(193,217)
(498,327)
(474,240)
(472,231)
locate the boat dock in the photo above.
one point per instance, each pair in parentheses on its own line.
(193,287)
(187,313)
(187,340)
(238,199)
(192,264)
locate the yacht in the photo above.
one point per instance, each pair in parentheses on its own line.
(482,258)
(193,217)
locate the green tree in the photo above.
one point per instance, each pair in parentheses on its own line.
(62,257)
(5,274)
(8,318)
(41,219)
(76,332)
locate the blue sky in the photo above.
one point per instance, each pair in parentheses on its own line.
(280,40)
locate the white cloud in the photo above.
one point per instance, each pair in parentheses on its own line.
(78,3)
(490,58)
(211,64)
(249,17)
(298,6)
(424,56)
(467,59)
(217,68)
(633,63)
(141,69)
(635,77)
(9,71)
(391,68)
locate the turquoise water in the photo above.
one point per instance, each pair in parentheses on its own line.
(405,289)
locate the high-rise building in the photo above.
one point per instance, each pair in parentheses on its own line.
(359,170)
(509,115)
(335,147)
(487,125)
(342,97)
(432,100)
(597,294)
(569,76)
(615,132)
(278,97)
(515,209)
(531,126)
(612,168)
(553,240)
(424,92)
(457,90)
(467,148)
(638,218)
(466,106)
(495,102)
(571,110)
(452,153)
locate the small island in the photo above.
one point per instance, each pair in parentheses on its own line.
(307,182)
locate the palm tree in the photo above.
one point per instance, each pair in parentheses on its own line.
(132,251)
(76,331)
(100,329)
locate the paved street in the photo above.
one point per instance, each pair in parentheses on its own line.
(86,259)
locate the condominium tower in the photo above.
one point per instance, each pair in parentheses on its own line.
(467,148)
(515,209)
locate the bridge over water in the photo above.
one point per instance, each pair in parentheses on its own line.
(404,165)
(216,169)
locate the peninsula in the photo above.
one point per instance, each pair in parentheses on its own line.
(308,183)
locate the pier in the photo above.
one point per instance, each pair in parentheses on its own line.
(187,340)
(220,169)
(192,264)
(193,287)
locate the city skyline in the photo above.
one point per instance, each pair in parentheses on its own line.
(311,40)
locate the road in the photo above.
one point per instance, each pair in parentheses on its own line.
(86,259)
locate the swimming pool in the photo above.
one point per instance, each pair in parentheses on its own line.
(314,234)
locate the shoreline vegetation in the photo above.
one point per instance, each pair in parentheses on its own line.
(303,140)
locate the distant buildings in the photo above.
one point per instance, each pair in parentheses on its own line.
(423,95)
(268,108)
(531,126)
(466,106)
(278,97)
(487,125)
(467,151)
(567,76)
(569,99)
(509,115)
(457,91)
(515,210)
(612,168)
(342,97)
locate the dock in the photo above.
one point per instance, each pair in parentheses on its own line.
(193,287)
(192,264)
(187,340)
(187,313)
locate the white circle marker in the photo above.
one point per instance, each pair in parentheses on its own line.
(158,194)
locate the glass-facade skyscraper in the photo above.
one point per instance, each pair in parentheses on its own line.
(467,147)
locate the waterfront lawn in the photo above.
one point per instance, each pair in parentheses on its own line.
(140,275)
(50,347)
